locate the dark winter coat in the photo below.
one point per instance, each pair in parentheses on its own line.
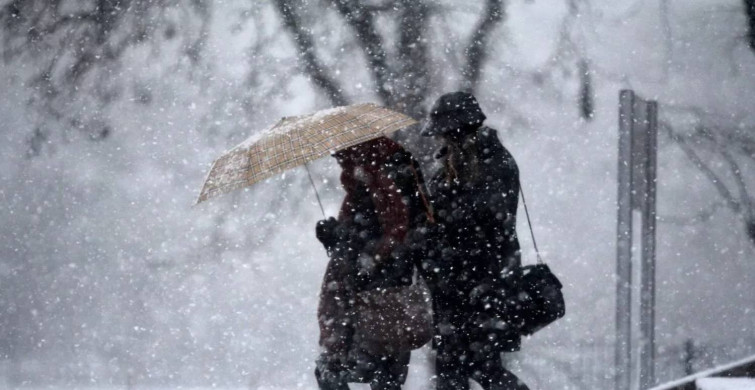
(474,276)
(369,245)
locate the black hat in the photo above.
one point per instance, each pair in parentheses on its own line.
(453,111)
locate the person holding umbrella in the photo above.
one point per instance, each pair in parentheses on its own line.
(370,246)
(474,288)
(373,245)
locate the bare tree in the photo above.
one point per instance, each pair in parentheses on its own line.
(402,80)
(311,64)
(571,56)
(75,47)
(477,50)
(401,65)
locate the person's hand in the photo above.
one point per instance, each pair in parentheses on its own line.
(325,232)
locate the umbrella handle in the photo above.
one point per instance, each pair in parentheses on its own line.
(306,166)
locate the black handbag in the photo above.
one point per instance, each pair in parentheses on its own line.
(542,301)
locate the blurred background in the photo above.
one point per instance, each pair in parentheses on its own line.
(112,111)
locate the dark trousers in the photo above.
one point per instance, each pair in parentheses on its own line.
(455,366)
(381,372)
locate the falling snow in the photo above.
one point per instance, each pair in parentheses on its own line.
(112,113)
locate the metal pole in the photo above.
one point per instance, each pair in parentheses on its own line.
(623,357)
(647,287)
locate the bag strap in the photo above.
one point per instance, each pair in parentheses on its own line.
(428,207)
(529,223)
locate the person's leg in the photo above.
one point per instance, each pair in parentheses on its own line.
(450,368)
(329,374)
(491,375)
(390,372)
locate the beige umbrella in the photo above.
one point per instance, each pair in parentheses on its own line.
(294,141)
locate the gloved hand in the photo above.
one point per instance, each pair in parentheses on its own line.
(325,232)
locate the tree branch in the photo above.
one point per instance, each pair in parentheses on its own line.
(75,19)
(311,65)
(361,20)
(744,196)
(387,6)
(750,12)
(723,141)
(701,216)
(705,169)
(586,100)
(413,57)
(476,51)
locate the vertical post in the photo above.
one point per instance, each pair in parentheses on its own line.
(624,244)
(647,278)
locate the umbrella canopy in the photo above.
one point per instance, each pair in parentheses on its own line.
(294,141)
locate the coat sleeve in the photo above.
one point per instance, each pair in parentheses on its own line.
(502,192)
(334,312)
(393,213)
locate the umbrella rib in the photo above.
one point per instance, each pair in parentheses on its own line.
(279,162)
(317,195)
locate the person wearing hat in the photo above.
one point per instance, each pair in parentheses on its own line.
(370,247)
(474,271)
